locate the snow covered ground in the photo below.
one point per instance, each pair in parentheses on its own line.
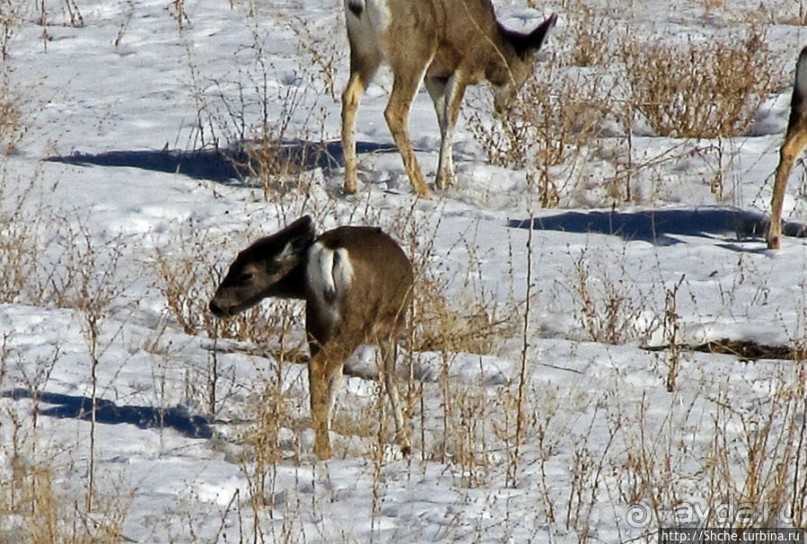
(565,428)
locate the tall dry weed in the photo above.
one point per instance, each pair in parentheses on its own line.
(557,115)
(701,88)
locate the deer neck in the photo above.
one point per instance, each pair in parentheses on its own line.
(292,285)
(499,55)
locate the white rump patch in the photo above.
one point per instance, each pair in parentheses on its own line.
(368,29)
(329,274)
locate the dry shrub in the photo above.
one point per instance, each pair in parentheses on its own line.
(38,512)
(85,273)
(18,246)
(262,439)
(323,49)
(281,166)
(463,318)
(702,88)
(591,36)
(466,324)
(466,443)
(783,12)
(610,305)
(12,127)
(755,478)
(36,506)
(259,150)
(710,6)
(187,279)
(12,13)
(254,121)
(554,118)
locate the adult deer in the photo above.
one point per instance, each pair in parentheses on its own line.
(794,144)
(448,44)
(357,285)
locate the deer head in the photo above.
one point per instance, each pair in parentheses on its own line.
(507,80)
(263,270)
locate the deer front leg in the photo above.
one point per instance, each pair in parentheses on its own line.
(320,417)
(794,144)
(397,116)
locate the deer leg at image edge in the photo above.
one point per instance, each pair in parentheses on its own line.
(795,142)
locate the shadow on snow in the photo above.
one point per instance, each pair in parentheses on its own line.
(227,165)
(659,227)
(107,412)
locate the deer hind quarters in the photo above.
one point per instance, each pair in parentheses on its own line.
(329,275)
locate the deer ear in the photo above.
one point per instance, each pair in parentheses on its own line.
(292,254)
(299,234)
(533,41)
(297,245)
(303,224)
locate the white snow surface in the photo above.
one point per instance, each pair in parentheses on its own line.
(131,79)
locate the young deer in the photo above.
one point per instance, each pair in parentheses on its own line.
(357,284)
(450,43)
(794,144)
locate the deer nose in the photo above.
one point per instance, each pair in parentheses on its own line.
(215,309)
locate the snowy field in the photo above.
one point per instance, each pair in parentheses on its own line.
(635,361)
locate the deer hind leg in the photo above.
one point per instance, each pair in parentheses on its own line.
(404,89)
(362,69)
(446,94)
(795,142)
(391,385)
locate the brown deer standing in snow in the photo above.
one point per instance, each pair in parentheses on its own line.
(357,285)
(448,44)
(794,144)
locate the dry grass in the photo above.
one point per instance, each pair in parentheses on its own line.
(19,244)
(609,303)
(557,115)
(11,121)
(460,324)
(591,35)
(41,514)
(702,88)
(35,505)
(754,481)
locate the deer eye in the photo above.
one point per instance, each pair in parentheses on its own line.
(243,278)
